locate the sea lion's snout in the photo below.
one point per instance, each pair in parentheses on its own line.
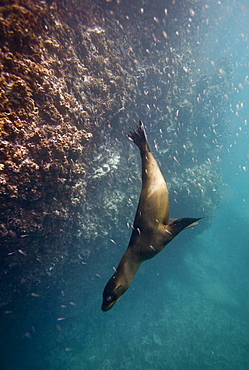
(112,293)
(106,306)
(108,302)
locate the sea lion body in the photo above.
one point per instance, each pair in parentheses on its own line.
(152,228)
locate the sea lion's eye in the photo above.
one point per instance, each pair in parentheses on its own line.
(109,298)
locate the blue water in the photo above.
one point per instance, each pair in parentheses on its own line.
(188,308)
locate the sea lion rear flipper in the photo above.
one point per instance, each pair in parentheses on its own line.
(140,138)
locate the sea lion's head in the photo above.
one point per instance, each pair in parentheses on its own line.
(113,291)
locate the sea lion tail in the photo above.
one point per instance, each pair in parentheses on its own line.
(140,138)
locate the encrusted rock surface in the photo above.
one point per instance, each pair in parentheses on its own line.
(57,86)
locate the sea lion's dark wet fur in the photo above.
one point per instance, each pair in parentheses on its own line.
(152,228)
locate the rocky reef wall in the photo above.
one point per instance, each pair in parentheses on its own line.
(75,78)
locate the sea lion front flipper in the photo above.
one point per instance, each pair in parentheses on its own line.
(191,225)
(171,220)
(175,226)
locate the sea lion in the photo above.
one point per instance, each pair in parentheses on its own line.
(152,229)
